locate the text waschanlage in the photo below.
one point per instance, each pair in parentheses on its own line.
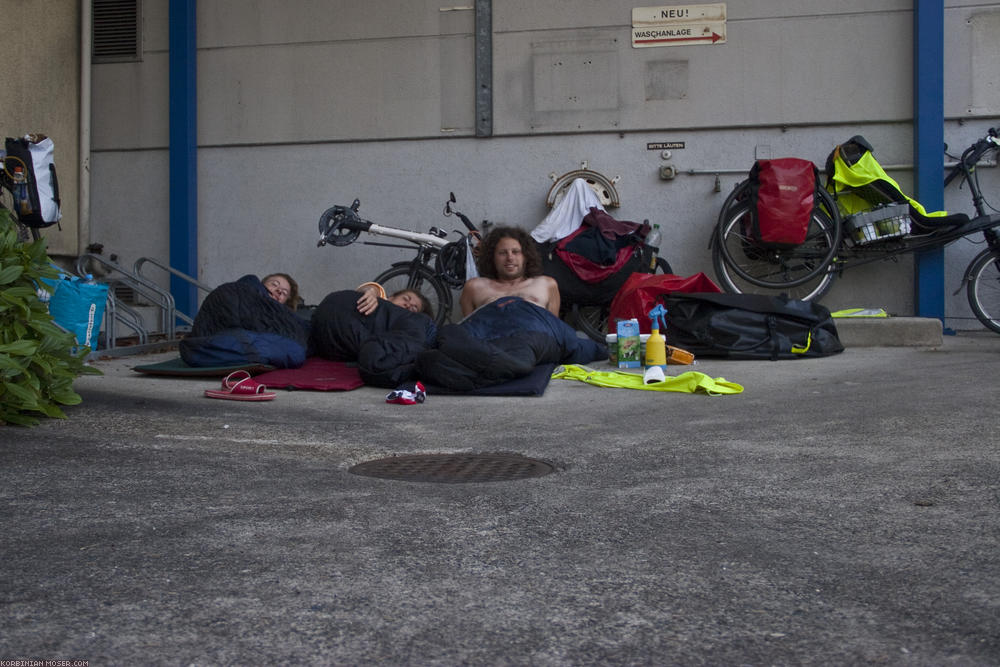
(661,32)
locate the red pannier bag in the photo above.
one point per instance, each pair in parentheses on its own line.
(642,291)
(782,192)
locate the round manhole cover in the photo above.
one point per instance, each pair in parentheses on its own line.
(454,468)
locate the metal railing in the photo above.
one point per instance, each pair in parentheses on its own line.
(142,261)
(118,313)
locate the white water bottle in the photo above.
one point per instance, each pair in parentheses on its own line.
(653,242)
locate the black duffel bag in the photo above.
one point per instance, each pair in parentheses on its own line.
(749,326)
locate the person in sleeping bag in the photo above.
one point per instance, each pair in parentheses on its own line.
(248,322)
(502,340)
(384,341)
(509,265)
(511,322)
(411,300)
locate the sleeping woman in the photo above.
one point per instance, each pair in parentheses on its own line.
(249,321)
(410,299)
(383,335)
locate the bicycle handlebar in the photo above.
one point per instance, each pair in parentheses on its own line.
(448,210)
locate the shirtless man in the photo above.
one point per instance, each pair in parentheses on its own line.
(509,265)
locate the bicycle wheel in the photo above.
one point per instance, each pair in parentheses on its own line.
(593,320)
(983,288)
(803,272)
(422,279)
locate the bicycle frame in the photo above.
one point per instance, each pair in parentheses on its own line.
(341,226)
(432,272)
(419,238)
(983,222)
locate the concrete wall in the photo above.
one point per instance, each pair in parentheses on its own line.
(40,93)
(305,104)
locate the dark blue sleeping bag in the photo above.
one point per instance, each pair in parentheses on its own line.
(503,340)
(384,343)
(240,323)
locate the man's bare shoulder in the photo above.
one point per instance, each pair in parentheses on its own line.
(478,285)
(478,281)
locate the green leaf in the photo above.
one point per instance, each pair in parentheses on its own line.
(7,362)
(19,348)
(28,398)
(41,364)
(20,292)
(32,382)
(67,397)
(49,330)
(17,419)
(48,345)
(9,274)
(52,410)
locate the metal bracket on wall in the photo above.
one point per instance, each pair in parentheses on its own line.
(484,68)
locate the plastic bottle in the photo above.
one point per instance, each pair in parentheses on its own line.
(653,241)
(21,191)
(656,345)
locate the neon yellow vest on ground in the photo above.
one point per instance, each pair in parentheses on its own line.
(690,382)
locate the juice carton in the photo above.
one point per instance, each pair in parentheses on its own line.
(629,345)
(611,340)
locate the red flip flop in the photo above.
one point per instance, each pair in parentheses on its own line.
(238,386)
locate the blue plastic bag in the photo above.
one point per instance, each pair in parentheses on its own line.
(78,307)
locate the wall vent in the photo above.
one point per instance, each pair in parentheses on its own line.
(117,31)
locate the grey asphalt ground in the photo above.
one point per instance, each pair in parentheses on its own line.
(840,511)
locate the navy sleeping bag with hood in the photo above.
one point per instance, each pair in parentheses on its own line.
(240,323)
(500,341)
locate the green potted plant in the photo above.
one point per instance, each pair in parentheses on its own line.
(38,360)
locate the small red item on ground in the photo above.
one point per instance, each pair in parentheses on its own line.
(409,393)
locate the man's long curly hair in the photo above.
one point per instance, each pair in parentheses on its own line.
(532,259)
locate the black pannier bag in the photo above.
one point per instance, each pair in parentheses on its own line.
(782,193)
(32,157)
(750,326)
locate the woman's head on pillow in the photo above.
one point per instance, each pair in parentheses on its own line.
(282,288)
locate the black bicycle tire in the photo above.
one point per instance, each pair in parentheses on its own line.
(738,194)
(814,290)
(974,275)
(441,303)
(726,265)
(593,320)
